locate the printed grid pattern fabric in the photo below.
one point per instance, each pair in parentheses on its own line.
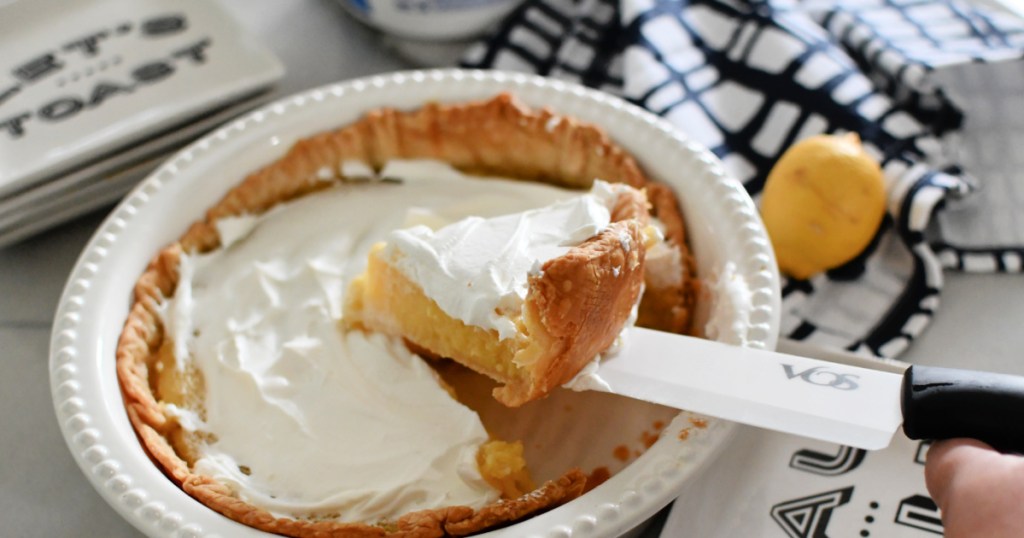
(574,40)
(749,78)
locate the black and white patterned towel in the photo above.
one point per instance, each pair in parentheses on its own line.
(749,77)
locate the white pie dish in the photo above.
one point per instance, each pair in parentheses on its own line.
(722,222)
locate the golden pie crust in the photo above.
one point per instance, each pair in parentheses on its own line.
(494,137)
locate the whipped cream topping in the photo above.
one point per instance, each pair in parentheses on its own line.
(663,265)
(476,269)
(307,420)
(731,307)
(588,378)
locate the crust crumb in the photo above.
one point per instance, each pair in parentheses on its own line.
(597,477)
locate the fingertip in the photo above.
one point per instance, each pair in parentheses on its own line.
(947,458)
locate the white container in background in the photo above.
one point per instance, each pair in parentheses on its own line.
(430,20)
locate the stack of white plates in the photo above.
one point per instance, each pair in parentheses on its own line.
(94,94)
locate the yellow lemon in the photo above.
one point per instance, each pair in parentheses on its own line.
(822,203)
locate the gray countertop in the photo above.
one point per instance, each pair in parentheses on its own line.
(42,491)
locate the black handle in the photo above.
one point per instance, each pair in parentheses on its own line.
(943,403)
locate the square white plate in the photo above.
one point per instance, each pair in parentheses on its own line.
(82,80)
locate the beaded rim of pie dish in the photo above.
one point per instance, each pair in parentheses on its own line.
(85,391)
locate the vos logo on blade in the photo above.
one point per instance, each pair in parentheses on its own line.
(823,377)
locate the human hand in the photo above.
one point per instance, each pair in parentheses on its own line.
(979,490)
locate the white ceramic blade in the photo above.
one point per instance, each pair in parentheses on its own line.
(833,402)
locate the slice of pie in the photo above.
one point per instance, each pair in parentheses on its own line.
(527,299)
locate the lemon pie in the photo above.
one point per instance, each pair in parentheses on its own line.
(245,390)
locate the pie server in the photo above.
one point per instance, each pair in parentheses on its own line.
(841,403)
